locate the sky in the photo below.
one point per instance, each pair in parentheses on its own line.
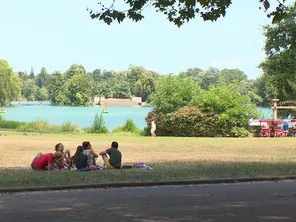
(58,33)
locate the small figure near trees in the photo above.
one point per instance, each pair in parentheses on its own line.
(153,129)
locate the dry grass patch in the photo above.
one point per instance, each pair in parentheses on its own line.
(171,158)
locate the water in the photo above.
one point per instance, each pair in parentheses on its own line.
(84,116)
(266,113)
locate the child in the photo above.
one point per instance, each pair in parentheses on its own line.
(88,151)
(80,160)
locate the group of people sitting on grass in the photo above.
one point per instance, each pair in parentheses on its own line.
(83,160)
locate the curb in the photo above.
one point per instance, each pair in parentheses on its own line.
(144,184)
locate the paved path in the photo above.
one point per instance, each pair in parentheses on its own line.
(208,203)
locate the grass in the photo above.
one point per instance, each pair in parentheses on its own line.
(171,158)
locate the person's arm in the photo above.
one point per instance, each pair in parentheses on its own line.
(103,153)
(93,153)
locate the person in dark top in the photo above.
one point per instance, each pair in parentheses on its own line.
(286,128)
(80,160)
(115,156)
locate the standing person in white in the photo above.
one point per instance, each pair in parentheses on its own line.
(153,129)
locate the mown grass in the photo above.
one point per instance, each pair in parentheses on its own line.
(171,158)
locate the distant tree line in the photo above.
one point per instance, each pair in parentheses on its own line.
(76,86)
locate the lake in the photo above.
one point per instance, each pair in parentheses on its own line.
(84,116)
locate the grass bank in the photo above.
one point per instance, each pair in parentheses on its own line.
(171,158)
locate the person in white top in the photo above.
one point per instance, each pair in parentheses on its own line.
(89,152)
(153,129)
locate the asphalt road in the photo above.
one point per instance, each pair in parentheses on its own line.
(266,201)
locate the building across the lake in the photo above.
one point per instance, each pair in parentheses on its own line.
(101,100)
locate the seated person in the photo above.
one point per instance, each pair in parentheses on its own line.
(89,152)
(66,159)
(80,160)
(45,161)
(115,157)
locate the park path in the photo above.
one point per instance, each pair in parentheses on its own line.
(264,201)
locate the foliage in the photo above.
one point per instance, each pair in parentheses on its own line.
(280,48)
(145,85)
(173,92)
(183,109)
(98,125)
(187,122)
(10,84)
(226,100)
(128,126)
(239,132)
(9,124)
(68,127)
(177,12)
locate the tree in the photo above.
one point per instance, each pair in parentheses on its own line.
(173,92)
(226,100)
(176,11)
(122,90)
(209,77)
(29,90)
(133,75)
(79,89)
(10,84)
(74,69)
(55,87)
(32,75)
(280,47)
(96,74)
(231,75)
(195,74)
(42,94)
(145,86)
(42,79)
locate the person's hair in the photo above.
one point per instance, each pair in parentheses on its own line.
(85,145)
(78,151)
(114,144)
(57,146)
(57,155)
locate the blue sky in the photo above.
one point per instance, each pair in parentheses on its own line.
(58,33)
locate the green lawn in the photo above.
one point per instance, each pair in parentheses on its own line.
(171,158)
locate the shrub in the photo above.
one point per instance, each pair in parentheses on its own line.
(38,127)
(68,127)
(190,122)
(9,124)
(98,125)
(239,132)
(128,126)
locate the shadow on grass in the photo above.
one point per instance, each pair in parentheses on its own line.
(22,177)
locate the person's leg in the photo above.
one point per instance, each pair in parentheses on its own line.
(32,164)
(106,161)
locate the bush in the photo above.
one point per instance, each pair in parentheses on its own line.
(239,132)
(38,127)
(189,122)
(98,125)
(9,124)
(128,126)
(68,127)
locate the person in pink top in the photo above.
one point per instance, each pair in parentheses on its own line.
(45,161)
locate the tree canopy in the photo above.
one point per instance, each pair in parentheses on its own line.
(178,11)
(10,84)
(280,47)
